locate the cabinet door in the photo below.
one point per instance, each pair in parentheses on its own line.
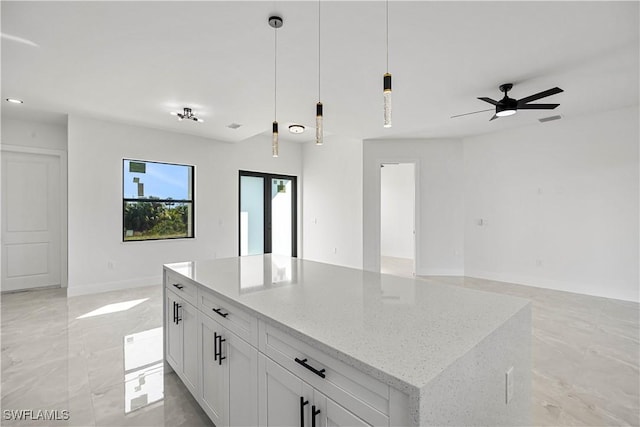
(215,377)
(189,323)
(242,362)
(333,415)
(280,393)
(173,333)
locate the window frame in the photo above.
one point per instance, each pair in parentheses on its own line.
(125,200)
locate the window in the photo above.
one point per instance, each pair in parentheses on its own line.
(157,200)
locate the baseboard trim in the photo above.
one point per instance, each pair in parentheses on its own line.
(441,272)
(94,288)
(555,285)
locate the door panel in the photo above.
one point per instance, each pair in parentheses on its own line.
(283,396)
(242,361)
(337,416)
(190,345)
(27,259)
(174,334)
(215,378)
(281,218)
(251,215)
(31,221)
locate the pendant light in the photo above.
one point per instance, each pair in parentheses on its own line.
(386,80)
(275,22)
(319,118)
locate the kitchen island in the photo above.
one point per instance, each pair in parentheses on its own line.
(272,340)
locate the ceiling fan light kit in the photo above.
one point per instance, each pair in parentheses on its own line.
(509,106)
(506,106)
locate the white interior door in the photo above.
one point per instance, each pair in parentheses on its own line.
(31,221)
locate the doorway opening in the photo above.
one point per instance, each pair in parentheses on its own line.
(397,219)
(267,214)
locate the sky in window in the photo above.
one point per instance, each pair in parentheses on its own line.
(160,180)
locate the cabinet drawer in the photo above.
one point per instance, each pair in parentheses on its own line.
(182,287)
(354,390)
(229,315)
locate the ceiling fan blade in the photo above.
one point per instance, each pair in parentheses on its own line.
(537,106)
(475,112)
(539,95)
(489,100)
(494,117)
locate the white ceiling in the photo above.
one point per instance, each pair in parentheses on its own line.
(137,61)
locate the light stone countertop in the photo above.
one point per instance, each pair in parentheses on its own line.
(399,330)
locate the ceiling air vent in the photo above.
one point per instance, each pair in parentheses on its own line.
(550,118)
(234,125)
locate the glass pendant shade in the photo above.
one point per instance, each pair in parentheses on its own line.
(387,100)
(274,141)
(319,127)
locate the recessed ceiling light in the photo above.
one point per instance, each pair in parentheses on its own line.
(234,125)
(15,101)
(296,128)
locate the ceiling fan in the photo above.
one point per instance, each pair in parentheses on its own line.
(508,106)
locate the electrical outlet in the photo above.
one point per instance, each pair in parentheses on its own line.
(110,265)
(335,250)
(509,385)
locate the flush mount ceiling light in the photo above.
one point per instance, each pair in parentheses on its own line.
(296,128)
(275,22)
(14,101)
(186,114)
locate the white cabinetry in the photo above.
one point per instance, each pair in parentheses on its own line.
(281,395)
(362,397)
(289,401)
(229,392)
(181,333)
(336,415)
(245,372)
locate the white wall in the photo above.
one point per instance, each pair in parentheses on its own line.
(332,201)
(439,202)
(560,205)
(96,149)
(397,191)
(30,133)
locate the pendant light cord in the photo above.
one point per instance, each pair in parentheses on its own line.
(275,76)
(387,4)
(319,50)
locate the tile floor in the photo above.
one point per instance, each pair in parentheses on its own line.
(104,368)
